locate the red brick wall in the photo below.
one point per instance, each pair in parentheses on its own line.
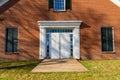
(24,14)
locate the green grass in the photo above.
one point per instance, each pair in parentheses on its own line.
(98,70)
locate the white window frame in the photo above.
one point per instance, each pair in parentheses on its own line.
(2,2)
(64,6)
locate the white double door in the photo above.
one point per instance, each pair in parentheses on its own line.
(60,45)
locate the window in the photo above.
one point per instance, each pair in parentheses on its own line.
(47,45)
(107,39)
(11,40)
(2,2)
(60,5)
(59,30)
(71,44)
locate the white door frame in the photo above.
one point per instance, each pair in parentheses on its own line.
(75,25)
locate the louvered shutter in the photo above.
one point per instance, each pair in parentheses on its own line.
(9,40)
(15,40)
(104,37)
(68,4)
(107,39)
(51,4)
(110,39)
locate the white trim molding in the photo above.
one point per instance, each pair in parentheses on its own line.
(2,2)
(45,24)
(75,25)
(117,2)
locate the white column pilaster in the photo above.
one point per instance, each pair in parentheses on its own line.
(76,43)
(42,43)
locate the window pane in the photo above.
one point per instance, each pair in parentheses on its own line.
(59,5)
(47,44)
(59,30)
(71,44)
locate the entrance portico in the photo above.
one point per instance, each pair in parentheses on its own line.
(59,39)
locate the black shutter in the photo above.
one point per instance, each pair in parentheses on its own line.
(15,40)
(104,39)
(68,4)
(9,40)
(107,39)
(110,39)
(51,4)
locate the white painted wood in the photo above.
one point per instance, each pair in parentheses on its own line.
(116,2)
(54,46)
(65,45)
(60,24)
(42,43)
(76,43)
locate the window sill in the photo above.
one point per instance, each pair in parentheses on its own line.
(67,10)
(108,52)
(59,10)
(11,53)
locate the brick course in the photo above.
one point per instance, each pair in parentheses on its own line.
(24,14)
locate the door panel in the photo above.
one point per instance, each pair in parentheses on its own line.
(54,46)
(65,45)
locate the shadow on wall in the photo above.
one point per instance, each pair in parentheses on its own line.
(90,32)
(95,16)
(29,42)
(6,6)
(84,25)
(89,41)
(91,16)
